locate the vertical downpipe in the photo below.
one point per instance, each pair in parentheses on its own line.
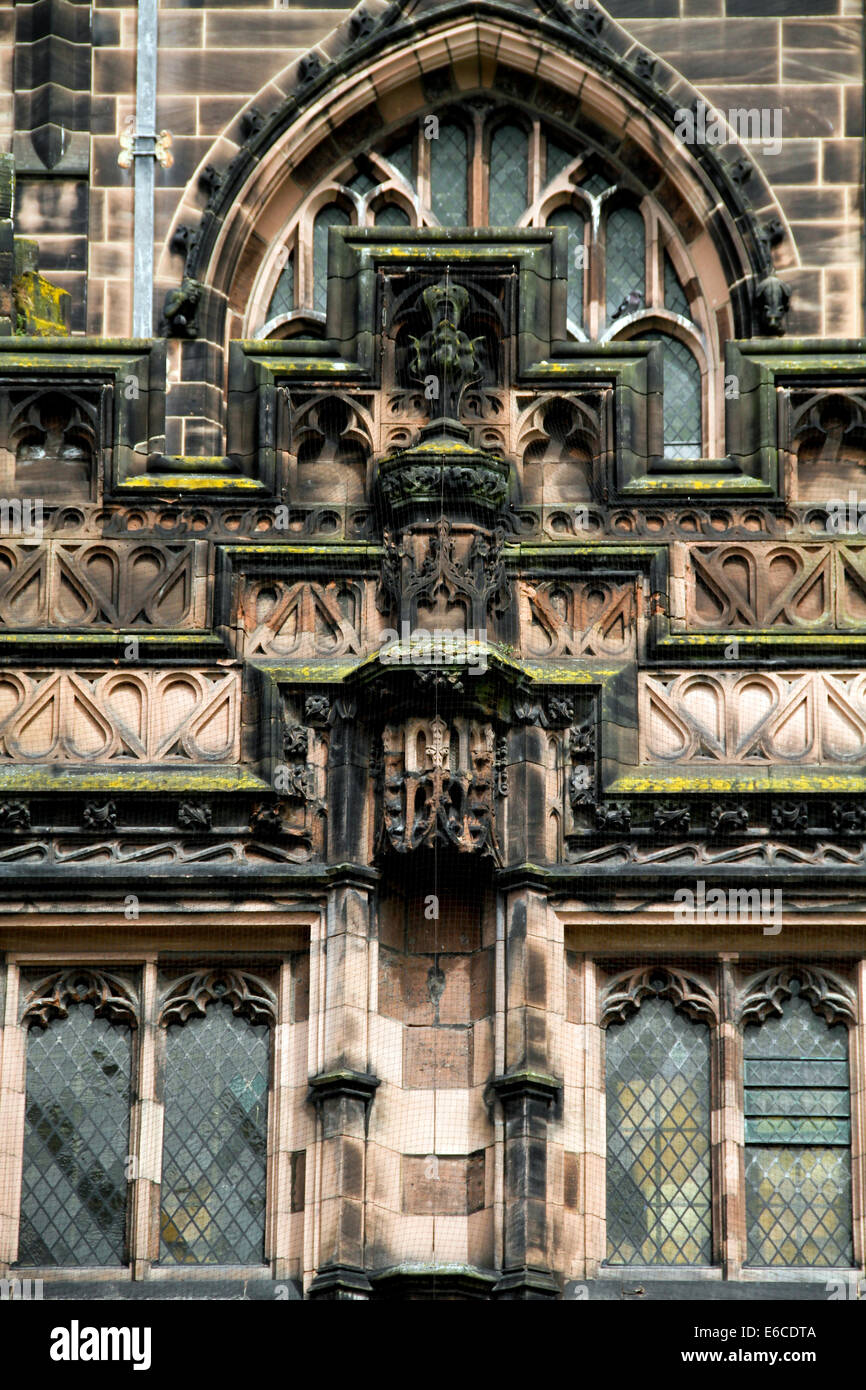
(145,125)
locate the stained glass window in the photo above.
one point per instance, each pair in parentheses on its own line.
(215,1146)
(283,297)
(682,399)
(675,295)
(448,176)
(798,1158)
(330,216)
(569,217)
(658,1139)
(625,260)
(509,171)
(76,1140)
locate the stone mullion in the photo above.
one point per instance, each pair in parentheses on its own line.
(280,1128)
(13,1071)
(857,1064)
(593,1157)
(145,1134)
(727,1130)
(342,1092)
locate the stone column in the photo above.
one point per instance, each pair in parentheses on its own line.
(342,1090)
(727,1129)
(529,1094)
(857,1066)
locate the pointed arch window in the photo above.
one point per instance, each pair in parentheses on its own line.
(331,216)
(682,398)
(77,1106)
(214,1169)
(575,225)
(509,172)
(449,169)
(624,262)
(659,1198)
(798,1138)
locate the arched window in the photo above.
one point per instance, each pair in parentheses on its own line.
(682,398)
(215,1140)
(659,1203)
(509,172)
(330,216)
(283,297)
(624,263)
(575,224)
(448,176)
(76,1142)
(798,1139)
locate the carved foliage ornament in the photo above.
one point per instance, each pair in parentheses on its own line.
(50,998)
(189,998)
(829,995)
(626,992)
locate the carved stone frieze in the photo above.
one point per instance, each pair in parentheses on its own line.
(578,618)
(804,588)
(793,717)
(302,618)
(138,715)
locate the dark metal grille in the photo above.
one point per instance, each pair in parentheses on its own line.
(509,173)
(215,1147)
(76,1140)
(448,175)
(625,258)
(658,1139)
(798,1165)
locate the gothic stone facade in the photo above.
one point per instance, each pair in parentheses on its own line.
(432,692)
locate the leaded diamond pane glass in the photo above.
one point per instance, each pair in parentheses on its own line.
(391,216)
(675,295)
(596,185)
(331,216)
(658,1139)
(682,399)
(76,1139)
(557,160)
(509,171)
(798,1170)
(448,175)
(215,1147)
(283,297)
(625,258)
(361,183)
(798,1206)
(403,160)
(571,219)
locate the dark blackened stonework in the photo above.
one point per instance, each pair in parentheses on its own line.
(432,705)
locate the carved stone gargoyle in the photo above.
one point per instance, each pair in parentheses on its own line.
(772,302)
(180,309)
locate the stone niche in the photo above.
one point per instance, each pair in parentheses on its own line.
(49,440)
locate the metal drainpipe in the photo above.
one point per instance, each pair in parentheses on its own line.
(141,149)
